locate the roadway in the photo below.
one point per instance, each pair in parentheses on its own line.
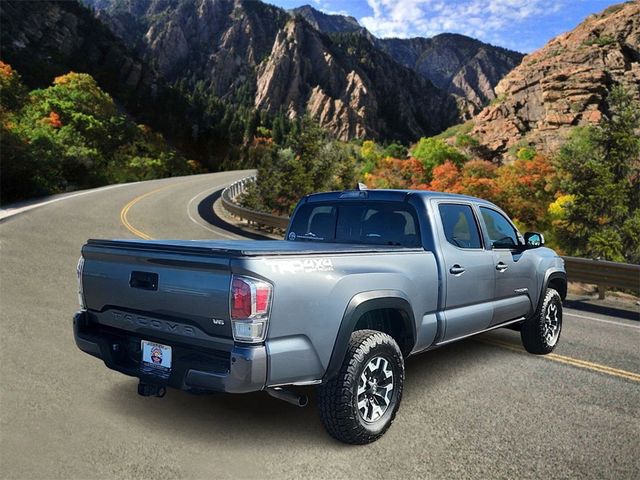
(480,408)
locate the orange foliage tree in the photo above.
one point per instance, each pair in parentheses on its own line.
(396,173)
(528,187)
(479,178)
(446,178)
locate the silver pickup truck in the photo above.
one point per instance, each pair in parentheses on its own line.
(364,279)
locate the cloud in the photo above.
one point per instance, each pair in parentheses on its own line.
(494,21)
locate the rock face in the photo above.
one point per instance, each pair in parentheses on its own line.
(565,83)
(459,65)
(328,23)
(252,53)
(45,39)
(218,42)
(307,72)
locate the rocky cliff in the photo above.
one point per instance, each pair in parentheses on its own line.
(564,84)
(45,39)
(349,86)
(255,54)
(459,65)
(328,23)
(249,54)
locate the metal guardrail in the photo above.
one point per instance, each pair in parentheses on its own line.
(602,273)
(229,203)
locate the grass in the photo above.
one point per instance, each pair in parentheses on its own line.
(455,130)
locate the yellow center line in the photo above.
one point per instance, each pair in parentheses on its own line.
(596,367)
(127,207)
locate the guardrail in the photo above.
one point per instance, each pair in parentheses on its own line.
(229,203)
(602,273)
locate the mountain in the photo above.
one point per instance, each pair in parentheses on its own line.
(349,86)
(196,69)
(252,53)
(46,39)
(328,23)
(459,65)
(564,84)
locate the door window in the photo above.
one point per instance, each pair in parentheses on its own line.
(501,232)
(460,227)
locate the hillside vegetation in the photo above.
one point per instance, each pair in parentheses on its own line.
(71,135)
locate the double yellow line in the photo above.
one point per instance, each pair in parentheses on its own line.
(125,210)
(596,367)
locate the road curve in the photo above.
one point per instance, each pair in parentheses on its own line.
(475,409)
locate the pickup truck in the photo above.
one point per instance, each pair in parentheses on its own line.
(363,279)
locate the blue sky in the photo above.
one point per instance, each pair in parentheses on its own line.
(523,25)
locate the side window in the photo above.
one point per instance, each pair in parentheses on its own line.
(501,232)
(460,227)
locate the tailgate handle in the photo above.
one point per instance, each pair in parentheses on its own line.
(144,280)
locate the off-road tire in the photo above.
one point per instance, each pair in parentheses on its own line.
(534,332)
(338,397)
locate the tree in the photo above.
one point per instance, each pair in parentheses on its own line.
(433,152)
(12,91)
(528,186)
(311,162)
(371,154)
(397,173)
(71,135)
(479,178)
(600,168)
(396,150)
(446,178)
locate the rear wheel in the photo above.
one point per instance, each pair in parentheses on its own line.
(359,404)
(541,332)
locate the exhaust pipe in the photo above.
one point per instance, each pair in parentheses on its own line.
(288,396)
(151,390)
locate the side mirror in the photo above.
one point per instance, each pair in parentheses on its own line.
(533,239)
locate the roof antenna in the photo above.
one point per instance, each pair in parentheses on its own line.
(361,186)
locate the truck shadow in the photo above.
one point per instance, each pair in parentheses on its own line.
(257,417)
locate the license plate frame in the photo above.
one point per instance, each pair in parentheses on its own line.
(155,358)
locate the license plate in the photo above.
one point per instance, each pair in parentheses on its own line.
(156,358)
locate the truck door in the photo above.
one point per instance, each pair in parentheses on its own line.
(514,268)
(469,278)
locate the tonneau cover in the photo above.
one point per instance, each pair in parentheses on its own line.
(250,248)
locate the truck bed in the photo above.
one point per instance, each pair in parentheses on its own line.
(246,248)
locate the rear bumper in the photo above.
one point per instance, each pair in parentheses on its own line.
(232,368)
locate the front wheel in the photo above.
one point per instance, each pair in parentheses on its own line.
(359,404)
(541,332)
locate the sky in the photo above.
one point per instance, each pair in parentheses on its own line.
(522,25)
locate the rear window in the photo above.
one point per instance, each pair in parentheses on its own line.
(375,223)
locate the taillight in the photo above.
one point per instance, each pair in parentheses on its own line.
(79,269)
(250,301)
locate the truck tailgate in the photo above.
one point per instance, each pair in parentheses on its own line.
(153,286)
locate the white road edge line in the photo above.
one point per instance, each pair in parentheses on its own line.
(602,320)
(10,212)
(217,232)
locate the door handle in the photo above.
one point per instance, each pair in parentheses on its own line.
(501,267)
(456,269)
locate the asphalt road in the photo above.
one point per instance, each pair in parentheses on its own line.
(481,408)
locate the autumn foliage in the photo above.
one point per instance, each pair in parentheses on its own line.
(524,187)
(396,173)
